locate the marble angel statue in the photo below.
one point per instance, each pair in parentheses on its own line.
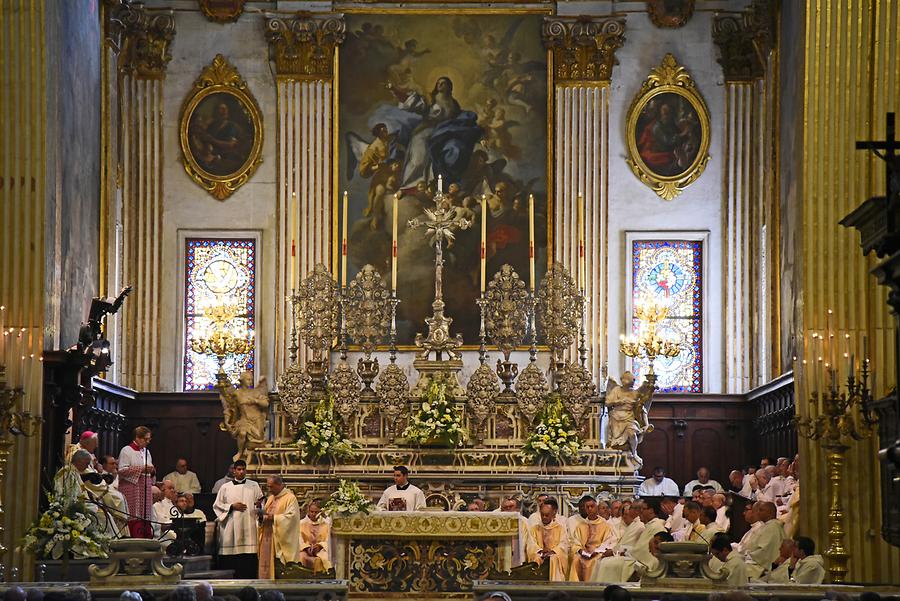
(246,413)
(628,414)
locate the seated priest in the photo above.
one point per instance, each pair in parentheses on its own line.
(513,505)
(67,482)
(315,532)
(101,488)
(780,572)
(549,542)
(691,527)
(162,509)
(88,441)
(764,547)
(184,479)
(535,518)
(658,485)
(402,496)
(633,527)
(652,563)
(809,567)
(185,504)
(279,533)
(588,540)
(720,504)
(732,566)
(235,508)
(710,527)
(620,568)
(616,508)
(703,480)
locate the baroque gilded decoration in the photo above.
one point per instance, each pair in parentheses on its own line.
(584,48)
(670,15)
(506,315)
(560,307)
(141,38)
(745,41)
(667,130)
(222,11)
(386,524)
(303,47)
(221,130)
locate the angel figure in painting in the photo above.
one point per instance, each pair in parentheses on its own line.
(628,414)
(246,412)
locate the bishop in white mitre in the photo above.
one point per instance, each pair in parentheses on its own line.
(236,516)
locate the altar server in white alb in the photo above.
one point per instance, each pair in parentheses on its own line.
(402,496)
(236,508)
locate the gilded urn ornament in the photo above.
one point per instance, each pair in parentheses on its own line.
(481,392)
(531,387)
(559,309)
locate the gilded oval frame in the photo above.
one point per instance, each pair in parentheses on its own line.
(220,77)
(668,78)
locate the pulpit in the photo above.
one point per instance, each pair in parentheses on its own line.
(422,552)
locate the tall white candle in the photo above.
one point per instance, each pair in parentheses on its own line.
(2,338)
(440,187)
(531,240)
(394,245)
(344,242)
(483,240)
(581,274)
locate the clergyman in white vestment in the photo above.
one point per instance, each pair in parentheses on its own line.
(402,496)
(236,516)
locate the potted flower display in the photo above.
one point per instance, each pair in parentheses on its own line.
(437,422)
(321,435)
(555,437)
(347,500)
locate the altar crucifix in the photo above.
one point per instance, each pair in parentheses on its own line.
(890,146)
(440,224)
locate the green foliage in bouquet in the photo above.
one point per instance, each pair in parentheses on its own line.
(68,527)
(321,435)
(437,421)
(555,435)
(347,500)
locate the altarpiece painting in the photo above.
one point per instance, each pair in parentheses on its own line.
(468,103)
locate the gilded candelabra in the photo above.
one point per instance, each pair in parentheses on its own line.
(221,340)
(648,343)
(843,416)
(13,422)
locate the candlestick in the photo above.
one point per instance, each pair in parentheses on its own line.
(394,244)
(483,239)
(344,243)
(440,188)
(581,275)
(531,239)
(293,240)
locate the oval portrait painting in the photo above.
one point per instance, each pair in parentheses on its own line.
(221,132)
(668,134)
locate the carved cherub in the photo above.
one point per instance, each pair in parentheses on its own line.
(628,414)
(246,413)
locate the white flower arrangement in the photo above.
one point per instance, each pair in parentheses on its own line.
(68,526)
(437,420)
(555,435)
(321,435)
(347,500)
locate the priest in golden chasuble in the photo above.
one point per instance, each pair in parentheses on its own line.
(315,530)
(279,534)
(549,542)
(588,539)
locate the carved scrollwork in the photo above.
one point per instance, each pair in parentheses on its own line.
(368,309)
(141,37)
(745,41)
(294,393)
(316,305)
(393,395)
(345,387)
(559,309)
(303,47)
(584,48)
(482,389)
(576,387)
(531,387)
(506,310)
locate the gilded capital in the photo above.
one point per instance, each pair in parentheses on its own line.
(303,47)
(584,48)
(745,41)
(141,38)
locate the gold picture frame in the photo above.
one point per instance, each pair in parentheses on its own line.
(221,130)
(667,129)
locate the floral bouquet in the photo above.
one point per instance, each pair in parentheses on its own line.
(321,435)
(555,435)
(67,527)
(437,420)
(347,499)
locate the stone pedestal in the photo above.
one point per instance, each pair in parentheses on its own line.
(135,561)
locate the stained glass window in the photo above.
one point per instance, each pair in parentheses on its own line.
(220,293)
(670,271)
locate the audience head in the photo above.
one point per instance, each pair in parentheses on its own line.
(703,475)
(181,503)
(401,475)
(314,509)
(658,474)
(14,593)
(181,467)
(762,477)
(142,437)
(229,473)
(157,494)
(189,497)
(203,591)
(614,592)
(650,511)
(248,593)
(275,484)
(766,511)
(750,515)
(510,504)
(110,465)
(589,506)
(866,596)
(479,504)
(183,593)
(696,492)
(271,595)
(239,469)
(771,471)
(692,511)
(89,441)
(631,512)
(659,537)
(736,478)
(786,550)
(36,594)
(497,595)
(81,459)
(78,593)
(718,500)
(805,547)
(706,496)
(473,506)
(782,465)
(168,490)
(603,509)
(708,516)
(720,547)
(548,510)
(615,508)
(667,505)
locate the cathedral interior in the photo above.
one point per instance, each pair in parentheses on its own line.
(532,256)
